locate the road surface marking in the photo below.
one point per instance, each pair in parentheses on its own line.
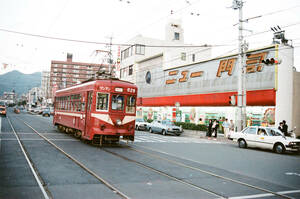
(264,195)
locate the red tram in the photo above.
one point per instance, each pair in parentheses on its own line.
(101,110)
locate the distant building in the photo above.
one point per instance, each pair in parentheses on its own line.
(171,52)
(35,97)
(45,85)
(67,73)
(9,97)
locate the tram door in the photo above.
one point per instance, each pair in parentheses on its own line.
(89,101)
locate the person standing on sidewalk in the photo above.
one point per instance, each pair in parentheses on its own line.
(209,129)
(226,125)
(215,127)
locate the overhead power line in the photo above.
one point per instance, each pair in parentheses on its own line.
(106,43)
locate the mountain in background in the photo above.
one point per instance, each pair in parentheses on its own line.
(19,82)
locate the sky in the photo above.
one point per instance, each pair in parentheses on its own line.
(212,22)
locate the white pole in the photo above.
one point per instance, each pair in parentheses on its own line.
(240,69)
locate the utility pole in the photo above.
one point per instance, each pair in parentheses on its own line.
(110,56)
(240,120)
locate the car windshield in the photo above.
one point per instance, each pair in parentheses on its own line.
(166,122)
(139,120)
(274,132)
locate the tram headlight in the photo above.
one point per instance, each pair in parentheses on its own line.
(102,127)
(118,122)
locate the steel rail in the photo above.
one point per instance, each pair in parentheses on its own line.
(165,174)
(125,158)
(209,173)
(114,189)
(190,167)
(34,172)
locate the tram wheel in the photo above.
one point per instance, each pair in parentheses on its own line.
(77,134)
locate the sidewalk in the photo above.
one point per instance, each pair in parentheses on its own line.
(202,135)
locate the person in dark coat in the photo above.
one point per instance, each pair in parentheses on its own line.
(280,126)
(209,129)
(285,128)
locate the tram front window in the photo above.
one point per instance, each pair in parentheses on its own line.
(130,107)
(117,102)
(102,102)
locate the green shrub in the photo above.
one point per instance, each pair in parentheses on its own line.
(149,120)
(192,126)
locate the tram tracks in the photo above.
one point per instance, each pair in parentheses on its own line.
(39,180)
(209,173)
(172,177)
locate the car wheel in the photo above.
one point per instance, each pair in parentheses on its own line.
(279,148)
(242,143)
(150,130)
(164,132)
(136,127)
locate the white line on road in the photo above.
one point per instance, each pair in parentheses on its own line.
(264,195)
(30,164)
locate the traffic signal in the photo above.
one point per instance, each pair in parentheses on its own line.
(232,100)
(270,61)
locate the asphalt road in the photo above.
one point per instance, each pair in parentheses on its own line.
(154,166)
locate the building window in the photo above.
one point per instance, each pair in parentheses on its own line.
(183,56)
(193,57)
(130,70)
(176,36)
(125,53)
(139,49)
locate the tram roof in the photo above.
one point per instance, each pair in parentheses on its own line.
(91,83)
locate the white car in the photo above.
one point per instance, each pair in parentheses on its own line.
(266,138)
(140,124)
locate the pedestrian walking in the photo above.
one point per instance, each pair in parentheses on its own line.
(225,126)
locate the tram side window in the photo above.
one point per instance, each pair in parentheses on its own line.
(102,102)
(90,100)
(130,106)
(117,102)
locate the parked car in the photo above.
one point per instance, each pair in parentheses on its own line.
(141,124)
(266,138)
(46,112)
(164,127)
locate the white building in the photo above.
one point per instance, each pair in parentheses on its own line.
(172,51)
(45,86)
(35,96)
